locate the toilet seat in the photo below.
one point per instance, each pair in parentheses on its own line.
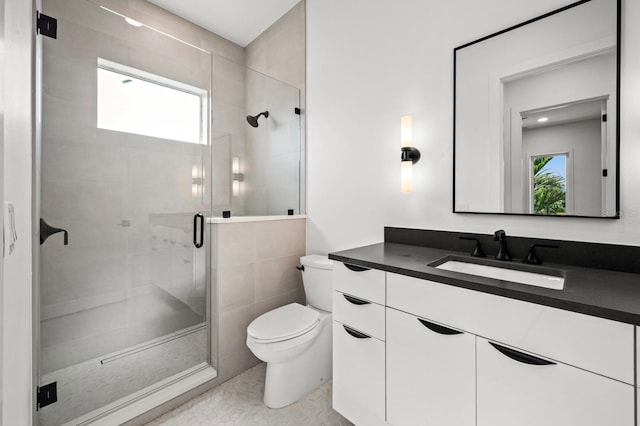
(284,323)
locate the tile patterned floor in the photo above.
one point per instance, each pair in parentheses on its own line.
(238,402)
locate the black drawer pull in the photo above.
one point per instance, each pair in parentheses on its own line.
(521,357)
(355,300)
(355,268)
(355,334)
(436,328)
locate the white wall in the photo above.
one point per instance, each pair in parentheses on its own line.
(17,378)
(2,109)
(371,62)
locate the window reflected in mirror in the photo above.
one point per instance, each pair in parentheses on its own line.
(549,184)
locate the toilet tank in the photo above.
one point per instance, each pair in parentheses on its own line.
(317,279)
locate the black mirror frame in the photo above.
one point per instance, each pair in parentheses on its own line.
(618,54)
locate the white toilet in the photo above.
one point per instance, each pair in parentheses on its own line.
(295,340)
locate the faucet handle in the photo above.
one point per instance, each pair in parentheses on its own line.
(531,256)
(477,252)
(499,235)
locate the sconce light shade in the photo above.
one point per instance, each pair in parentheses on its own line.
(409,156)
(406,177)
(406,131)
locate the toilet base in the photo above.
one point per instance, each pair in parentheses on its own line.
(287,382)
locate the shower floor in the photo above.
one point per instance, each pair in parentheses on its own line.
(90,385)
(100,355)
(71,339)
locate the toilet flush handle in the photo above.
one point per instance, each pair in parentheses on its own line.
(300,268)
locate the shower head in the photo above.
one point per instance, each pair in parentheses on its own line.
(253,119)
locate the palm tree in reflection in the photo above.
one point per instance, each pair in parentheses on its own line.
(550,194)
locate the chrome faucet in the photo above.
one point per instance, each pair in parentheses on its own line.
(503,252)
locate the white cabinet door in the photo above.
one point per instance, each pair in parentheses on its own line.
(430,373)
(358,376)
(518,388)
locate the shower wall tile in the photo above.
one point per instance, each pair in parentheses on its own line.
(233,329)
(236,363)
(76,161)
(277,276)
(236,244)
(280,50)
(256,273)
(83,274)
(279,238)
(239,286)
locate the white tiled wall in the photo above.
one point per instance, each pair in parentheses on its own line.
(254,270)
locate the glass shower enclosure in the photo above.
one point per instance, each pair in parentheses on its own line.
(125,159)
(257,149)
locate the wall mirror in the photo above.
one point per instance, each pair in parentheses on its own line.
(536,116)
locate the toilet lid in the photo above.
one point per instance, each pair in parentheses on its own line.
(283,323)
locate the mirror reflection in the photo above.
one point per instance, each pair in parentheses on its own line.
(536,116)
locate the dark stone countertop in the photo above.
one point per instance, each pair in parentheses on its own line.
(597,292)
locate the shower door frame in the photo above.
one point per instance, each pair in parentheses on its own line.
(150,402)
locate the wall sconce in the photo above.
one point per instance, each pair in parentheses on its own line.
(237,176)
(197,179)
(409,156)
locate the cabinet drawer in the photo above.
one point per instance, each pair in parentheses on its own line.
(358,377)
(595,344)
(511,391)
(368,284)
(360,314)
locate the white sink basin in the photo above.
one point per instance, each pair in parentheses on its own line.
(522,277)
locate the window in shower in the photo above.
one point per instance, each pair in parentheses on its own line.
(138,102)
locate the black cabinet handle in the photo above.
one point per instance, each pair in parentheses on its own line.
(197,243)
(355,300)
(437,328)
(355,333)
(520,356)
(355,268)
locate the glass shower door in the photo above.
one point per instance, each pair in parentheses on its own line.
(125,158)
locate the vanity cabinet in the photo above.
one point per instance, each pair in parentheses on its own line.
(518,388)
(431,374)
(359,344)
(412,351)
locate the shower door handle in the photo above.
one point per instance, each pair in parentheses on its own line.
(196,242)
(47,230)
